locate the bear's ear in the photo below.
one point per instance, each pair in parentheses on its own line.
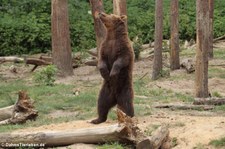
(123,18)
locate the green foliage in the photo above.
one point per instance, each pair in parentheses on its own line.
(46,76)
(218,143)
(25,25)
(137,48)
(115,145)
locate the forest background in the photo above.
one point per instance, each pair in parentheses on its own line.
(25,25)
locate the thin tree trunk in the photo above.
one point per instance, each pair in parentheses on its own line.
(100,31)
(174,32)
(61,48)
(120,7)
(201,75)
(211,11)
(157,62)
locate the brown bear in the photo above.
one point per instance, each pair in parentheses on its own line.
(115,63)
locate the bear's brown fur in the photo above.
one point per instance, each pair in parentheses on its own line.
(116,60)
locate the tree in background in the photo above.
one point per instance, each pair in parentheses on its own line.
(157,62)
(120,7)
(61,48)
(100,31)
(174,35)
(201,70)
(211,11)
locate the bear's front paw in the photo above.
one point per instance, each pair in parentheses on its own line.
(97,121)
(113,73)
(105,75)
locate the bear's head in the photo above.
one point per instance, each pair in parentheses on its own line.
(113,21)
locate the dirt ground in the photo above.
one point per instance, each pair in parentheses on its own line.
(189,128)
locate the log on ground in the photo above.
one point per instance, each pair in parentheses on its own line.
(209,101)
(22,111)
(6,112)
(125,131)
(185,107)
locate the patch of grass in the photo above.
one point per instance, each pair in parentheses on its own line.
(174,142)
(199,146)
(216,94)
(218,143)
(216,72)
(142,110)
(148,131)
(219,53)
(220,108)
(48,99)
(114,145)
(188,53)
(178,124)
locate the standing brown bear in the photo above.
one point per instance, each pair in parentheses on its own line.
(116,60)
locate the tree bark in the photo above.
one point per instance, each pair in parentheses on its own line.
(120,7)
(201,69)
(174,35)
(211,11)
(157,62)
(61,48)
(100,31)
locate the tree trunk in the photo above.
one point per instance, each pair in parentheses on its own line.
(174,32)
(61,48)
(211,11)
(120,7)
(100,31)
(201,75)
(157,62)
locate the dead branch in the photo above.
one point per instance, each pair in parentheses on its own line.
(185,107)
(209,101)
(11,59)
(219,38)
(23,110)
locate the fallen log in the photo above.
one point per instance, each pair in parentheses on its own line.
(126,131)
(157,139)
(6,112)
(22,111)
(11,59)
(42,61)
(185,107)
(209,101)
(93,135)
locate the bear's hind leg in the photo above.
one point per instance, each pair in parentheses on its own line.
(125,102)
(105,103)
